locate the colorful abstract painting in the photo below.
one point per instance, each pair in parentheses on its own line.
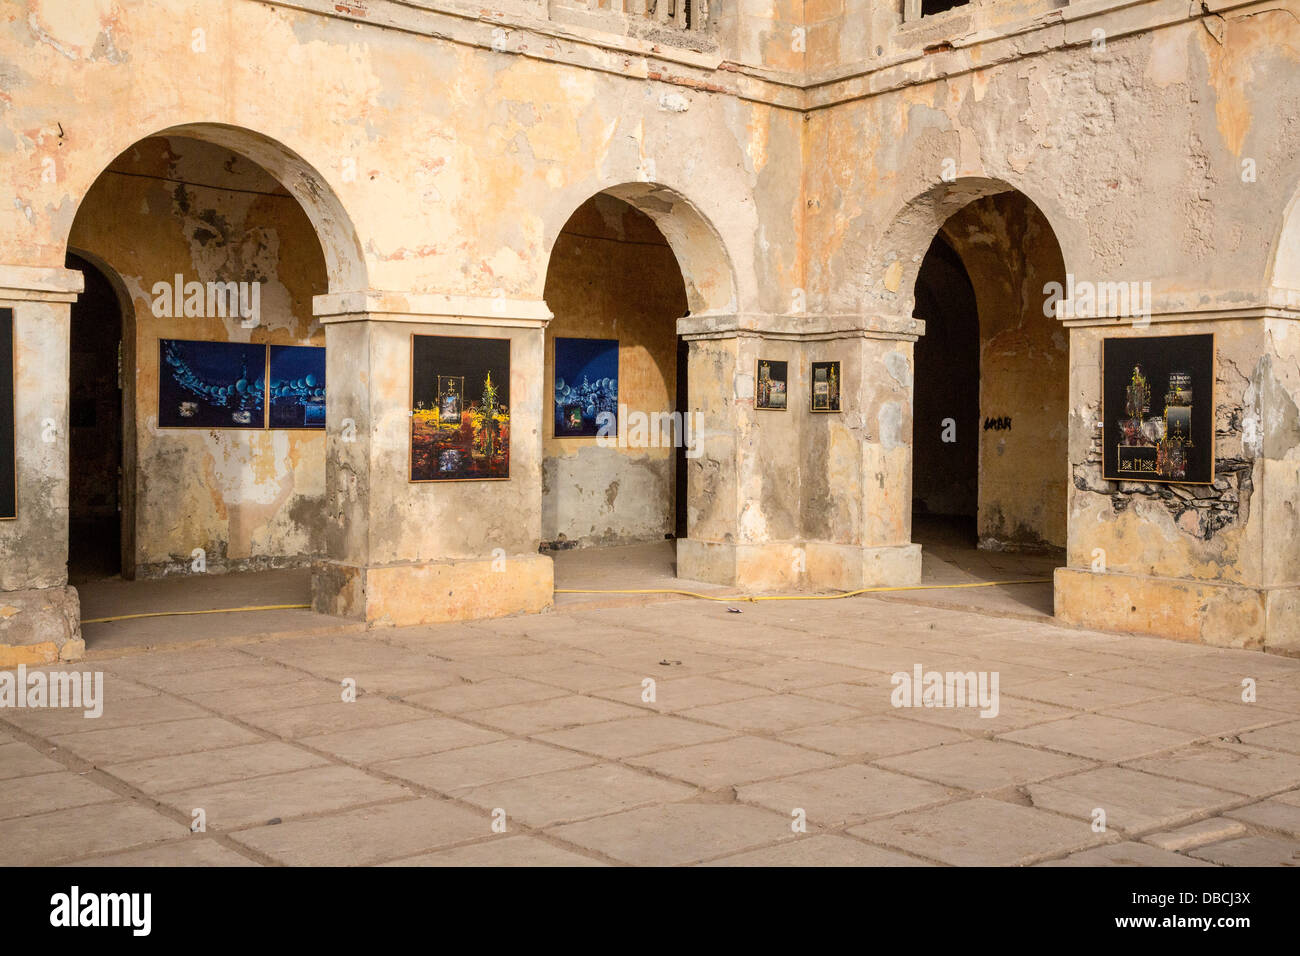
(586,385)
(460,408)
(211,384)
(297,386)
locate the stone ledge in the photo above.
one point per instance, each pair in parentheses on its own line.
(811,565)
(798,326)
(40,626)
(1197,612)
(435,592)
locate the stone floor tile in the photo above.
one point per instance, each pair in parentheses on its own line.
(1133,801)
(194,850)
(42,793)
(980,832)
(1213,830)
(675,694)
(1013,713)
(208,767)
(1125,854)
(241,803)
(17,759)
(552,714)
(772,713)
(502,851)
(983,765)
(391,741)
(822,850)
(1101,738)
(122,744)
(367,835)
(455,770)
(873,735)
(677,834)
(49,838)
(731,762)
(545,799)
(482,695)
(1087,692)
(1199,716)
(1252,771)
(250,699)
(333,717)
(792,675)
(1281,737)
(1252,851)
(633,736)
(840,795)
(1276,814)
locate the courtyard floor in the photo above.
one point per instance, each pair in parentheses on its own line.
(758,720)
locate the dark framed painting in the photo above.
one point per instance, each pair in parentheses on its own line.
(586,387)
(8,424)
(211,384)
(825,386)
(296,386)
(460,408)
(771,385)
(1157,409)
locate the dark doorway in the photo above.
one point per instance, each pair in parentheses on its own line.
(945,424)
(684,410)
(95,430)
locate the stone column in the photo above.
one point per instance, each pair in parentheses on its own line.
(40,616)
(796,498)
(1215,564)
(401,553)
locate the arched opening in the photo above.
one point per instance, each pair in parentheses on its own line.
(96,433)
(202,265)
(612,473)
(990,457)
(945,471)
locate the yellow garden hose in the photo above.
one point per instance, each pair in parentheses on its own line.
(809,597)
(695,594)
(215,610)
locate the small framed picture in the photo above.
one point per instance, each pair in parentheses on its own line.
(771,388)
(825,386)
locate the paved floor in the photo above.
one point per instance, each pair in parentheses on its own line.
(759,720)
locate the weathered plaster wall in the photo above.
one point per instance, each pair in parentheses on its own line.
(613,276)
(173,206)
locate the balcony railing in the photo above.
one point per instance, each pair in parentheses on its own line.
(682,14)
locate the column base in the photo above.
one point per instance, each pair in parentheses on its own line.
(812,565)
(434,592)
(40,626)
(1181,609)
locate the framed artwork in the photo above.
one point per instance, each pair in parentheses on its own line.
(770,390)
(296,377)
(460,408)
(825,386)
(8,425)
(586,387)
(1158,409)
(211,384)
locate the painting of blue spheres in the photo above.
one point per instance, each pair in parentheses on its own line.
(211,384)
(297,386)
(586,384)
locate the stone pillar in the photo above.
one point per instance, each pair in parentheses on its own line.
(399,552)
(1214,564)
(796,498)
(40,616)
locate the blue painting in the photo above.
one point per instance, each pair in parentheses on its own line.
(297,386)
(211,384)
(586,385)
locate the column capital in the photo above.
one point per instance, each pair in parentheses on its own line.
(430,308)
(39,284)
